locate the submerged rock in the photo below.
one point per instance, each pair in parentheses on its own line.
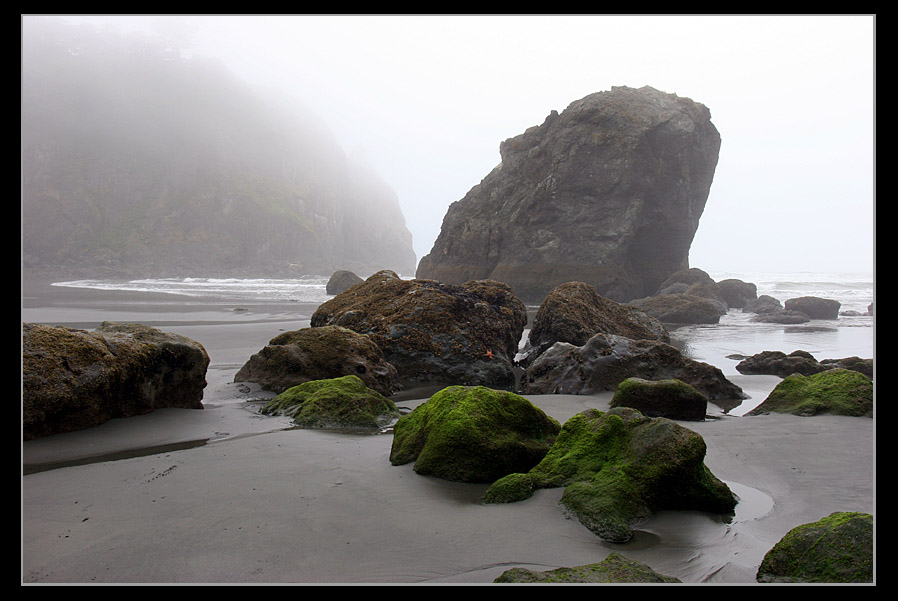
(74,379)
(607,360)
(341,280)
(763,304)
(613,569)
(814,307)
(671,398)
(434,333)
(574,312)
(291,358)
(835,549)
(473,435)
(608,192)
(834,391)
(619,467)
(737,293)
(778,363)
(336,403)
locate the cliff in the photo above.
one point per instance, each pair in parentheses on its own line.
(608,192)
(137,160)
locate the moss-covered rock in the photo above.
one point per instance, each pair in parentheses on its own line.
(336,403)
(838,548)
(671,398)
(298,356)
(835,391)
(618,467)
(473,434)
(613,569)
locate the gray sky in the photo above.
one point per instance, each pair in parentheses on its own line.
(427,100)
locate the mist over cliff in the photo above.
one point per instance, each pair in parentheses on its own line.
(138,159)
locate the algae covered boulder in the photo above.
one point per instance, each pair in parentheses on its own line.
(473,434)
(835,391)
(671,398)
(835,549)
(613,569)
(298,356)
(619,467)
(336,403)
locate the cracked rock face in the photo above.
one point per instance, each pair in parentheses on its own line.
(608,192)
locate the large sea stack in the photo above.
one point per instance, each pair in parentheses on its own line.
(608,192)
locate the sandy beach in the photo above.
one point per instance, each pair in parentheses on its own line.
(225,495)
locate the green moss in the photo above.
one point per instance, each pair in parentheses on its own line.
(835,391)
(473,434)
(614,568)
(620,466)
(336,403)
(837,548)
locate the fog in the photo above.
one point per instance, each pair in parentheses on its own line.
(427,100)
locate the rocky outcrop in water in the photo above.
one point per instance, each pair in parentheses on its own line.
(74,379)
(780,364)
(434,333)
(607,360)
(608,192)
(574,312)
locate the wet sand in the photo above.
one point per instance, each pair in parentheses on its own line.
(224,495)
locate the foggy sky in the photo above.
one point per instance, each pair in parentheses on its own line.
(427,100)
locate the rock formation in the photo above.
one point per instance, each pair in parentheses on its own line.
(607,360)
(671,398)
(836,549)
(434,333)
(608,192)
(474,434)
(292,358)
(574,312)
(613,569)
(834,392)
(74,379)
(619,467)
(340,403)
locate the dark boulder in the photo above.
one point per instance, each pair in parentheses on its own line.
(671,398)
(434,333)
(607,360)
(814,307)
(619,467)
(574,312)
(835,549)
(322,353)
(340,280)
(763,304)
(608,192)
(778,363)
(783,316)
(737,293)
(680,308)
(74,379)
